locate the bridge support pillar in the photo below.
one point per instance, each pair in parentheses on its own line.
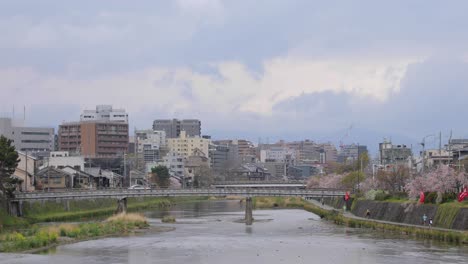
(15,208)
(121,206)
(248,211)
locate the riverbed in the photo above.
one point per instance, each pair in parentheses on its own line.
(209,232)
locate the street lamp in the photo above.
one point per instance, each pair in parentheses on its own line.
(423,144)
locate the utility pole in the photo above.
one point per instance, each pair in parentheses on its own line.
(48,174)
(358,174)
(26,177)
(440,143)
(125,170)
(423,154)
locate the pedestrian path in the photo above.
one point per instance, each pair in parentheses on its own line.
(350,215)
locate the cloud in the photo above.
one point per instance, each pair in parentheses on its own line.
(262,67)
(233,88)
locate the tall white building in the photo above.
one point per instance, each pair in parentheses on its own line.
(31,139)
(105,113)
(149,143)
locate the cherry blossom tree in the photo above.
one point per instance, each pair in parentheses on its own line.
(326,181)
(443,179)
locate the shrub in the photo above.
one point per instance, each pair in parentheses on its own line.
(371,194)
(430,197)
(382,196)
(400,195)
(448,197)
(168,219)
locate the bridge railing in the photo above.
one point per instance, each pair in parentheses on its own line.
(177,192)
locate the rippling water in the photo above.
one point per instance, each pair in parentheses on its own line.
(207,232)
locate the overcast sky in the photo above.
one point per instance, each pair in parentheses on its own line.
(269,69)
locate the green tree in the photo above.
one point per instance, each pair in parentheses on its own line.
(8,163)
(161,176)
(363,160)
(353,179)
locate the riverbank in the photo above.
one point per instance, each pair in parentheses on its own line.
(337,217)
(80,210)
(38,238)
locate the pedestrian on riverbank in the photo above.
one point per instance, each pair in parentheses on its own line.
(424,218)
(430,222)
(367,214)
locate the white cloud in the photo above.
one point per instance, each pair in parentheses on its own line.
(233,89)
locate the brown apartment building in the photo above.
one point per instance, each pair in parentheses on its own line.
(94,138)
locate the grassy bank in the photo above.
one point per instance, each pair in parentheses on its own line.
(85,209)
(8,222)
(36,237)
(338,218)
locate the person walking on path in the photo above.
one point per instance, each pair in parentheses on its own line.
(424,218)
(367,214)
(430,222)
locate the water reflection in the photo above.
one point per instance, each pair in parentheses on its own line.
(209,232)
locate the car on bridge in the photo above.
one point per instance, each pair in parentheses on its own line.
(139,187)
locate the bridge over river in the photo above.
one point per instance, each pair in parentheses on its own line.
(16,204)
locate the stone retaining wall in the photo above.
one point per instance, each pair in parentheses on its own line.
(409,213)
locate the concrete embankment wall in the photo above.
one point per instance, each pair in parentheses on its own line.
(444,216)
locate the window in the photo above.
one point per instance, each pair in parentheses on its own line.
(35,133)
(35,141)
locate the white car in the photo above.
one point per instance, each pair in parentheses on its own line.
(138,187)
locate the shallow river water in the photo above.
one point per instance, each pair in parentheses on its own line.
(208,232)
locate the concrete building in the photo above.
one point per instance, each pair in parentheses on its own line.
(186,146)
(223,157)
(330,152)
(393,154)
(246,151)
(174,161)
(246,148)
(302,172)
(350,153)
(94,138)
(149,144)
(435,157)
(173,128)
(307,151)
(38,141)
(105,113)
(277,170)
(62,159)
(456,144)
(278,154)
(218,157)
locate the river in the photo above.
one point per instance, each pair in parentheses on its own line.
(208,232)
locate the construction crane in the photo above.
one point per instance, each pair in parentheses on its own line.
(348,132)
